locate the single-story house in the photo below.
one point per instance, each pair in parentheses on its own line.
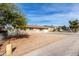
(37,28)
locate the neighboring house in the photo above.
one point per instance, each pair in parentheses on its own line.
(37,28)
(56,29)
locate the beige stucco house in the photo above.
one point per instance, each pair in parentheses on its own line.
(35,28)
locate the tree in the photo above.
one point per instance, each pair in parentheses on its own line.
(64,28)
(10,14)
(74,25)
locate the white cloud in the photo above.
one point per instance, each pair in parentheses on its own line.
(58,18)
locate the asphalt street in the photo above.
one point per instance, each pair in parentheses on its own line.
(66,47)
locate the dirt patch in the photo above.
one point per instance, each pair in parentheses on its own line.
(34,41)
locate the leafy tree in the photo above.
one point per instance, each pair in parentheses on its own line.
(64,28)
(74,25)
(10,14)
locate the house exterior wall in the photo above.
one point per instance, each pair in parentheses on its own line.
(38,30)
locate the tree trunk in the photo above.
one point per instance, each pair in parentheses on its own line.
(75,30)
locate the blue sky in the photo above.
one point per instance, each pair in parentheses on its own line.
(49,13)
